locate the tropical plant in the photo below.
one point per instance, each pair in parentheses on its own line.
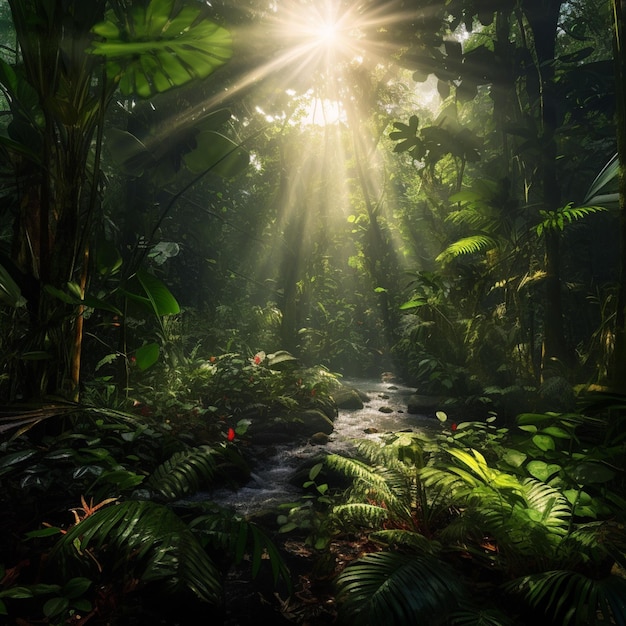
(533,539)
(58,105)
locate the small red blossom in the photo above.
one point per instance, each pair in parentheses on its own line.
(231,434)
(133,359)
(212,359)
(453,426)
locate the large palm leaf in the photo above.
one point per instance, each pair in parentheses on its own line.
(184,472)
(396,589)
(142,539)
(573,599)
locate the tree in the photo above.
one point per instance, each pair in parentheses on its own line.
(517,56)
(72,58)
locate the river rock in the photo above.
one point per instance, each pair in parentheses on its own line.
(419,404)
(319,439)
(348,398)
(293,427)
(385,409)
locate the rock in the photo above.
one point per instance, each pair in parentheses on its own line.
(385,409)
(319,439)
(425,404)
(293,427)
(348,398)
(370,430)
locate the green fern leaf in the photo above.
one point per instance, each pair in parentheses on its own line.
(360,514)
(184,472)
(468,245)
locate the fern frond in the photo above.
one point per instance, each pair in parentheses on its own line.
(444,482)
(360,514)
(470,215)
(573,599)
(184,472)
(144,538)
(391,588)
(468,245)
(553,509)
(406,539)
(377,485)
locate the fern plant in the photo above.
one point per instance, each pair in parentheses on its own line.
(521,538)
(387,488)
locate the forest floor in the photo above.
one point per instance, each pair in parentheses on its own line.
(312,600)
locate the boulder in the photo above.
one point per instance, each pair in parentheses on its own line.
(425,405)
(348,398)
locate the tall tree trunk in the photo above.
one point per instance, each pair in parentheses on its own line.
(543,18)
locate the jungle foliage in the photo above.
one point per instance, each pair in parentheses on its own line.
(189,262)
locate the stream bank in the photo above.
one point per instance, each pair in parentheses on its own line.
(384,408)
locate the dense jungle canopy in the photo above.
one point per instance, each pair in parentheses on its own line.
(370,185)
(192,192)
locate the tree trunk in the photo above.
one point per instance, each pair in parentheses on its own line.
(543,18)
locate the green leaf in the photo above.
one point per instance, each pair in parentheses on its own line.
(147,355)
(161,298)
(43,532)
(217,153)
(590,472)
(542,470)
(556,431)
(76,587)
(55,606)
(544,442)
(18,593)
(315,470)
(162,45)
(412,304)
(514,458)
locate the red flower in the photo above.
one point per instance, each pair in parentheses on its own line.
(453,427)
(231,434)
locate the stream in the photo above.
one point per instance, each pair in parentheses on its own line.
(270,482)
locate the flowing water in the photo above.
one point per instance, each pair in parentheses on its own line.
(271,479)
